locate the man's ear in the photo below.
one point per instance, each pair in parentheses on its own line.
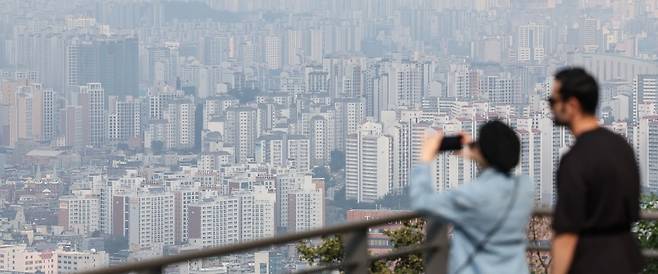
(574,104)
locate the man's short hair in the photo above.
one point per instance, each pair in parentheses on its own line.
(576,82)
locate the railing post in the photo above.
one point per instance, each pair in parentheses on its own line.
(356,254)
(435,259)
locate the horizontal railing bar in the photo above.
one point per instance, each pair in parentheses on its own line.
(256,244)
(650,253)
(295,237)
(324,268)
(651,215)
(399,252)
(647,253)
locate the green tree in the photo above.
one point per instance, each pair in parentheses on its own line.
(647,231)
(323,172)
(337,161)
(396,199)
(330,250)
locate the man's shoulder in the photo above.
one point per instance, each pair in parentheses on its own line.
(603,135)
(614,140)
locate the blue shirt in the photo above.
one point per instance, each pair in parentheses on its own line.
(474,209)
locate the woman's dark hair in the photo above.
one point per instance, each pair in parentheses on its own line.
(499,145)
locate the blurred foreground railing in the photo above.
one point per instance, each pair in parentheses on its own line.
(356,258)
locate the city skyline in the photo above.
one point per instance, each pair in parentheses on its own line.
(137,129)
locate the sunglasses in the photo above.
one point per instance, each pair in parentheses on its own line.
(551,101)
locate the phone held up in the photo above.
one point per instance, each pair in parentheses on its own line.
(451,143)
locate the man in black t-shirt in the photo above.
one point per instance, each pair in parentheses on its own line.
(598,187)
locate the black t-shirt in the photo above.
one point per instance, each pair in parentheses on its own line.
(598,198)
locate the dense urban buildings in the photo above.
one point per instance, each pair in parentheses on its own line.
(137,129)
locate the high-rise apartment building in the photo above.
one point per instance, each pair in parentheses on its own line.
(320,127)
(240,130)
(124,119)
(80,212)
(368,164)
(590,35)
(645,91)
(647,147)
(40,51)
(31,114)
(306,207)
(231,219)
(350,114)
(531,45)
(294,47)
(145,217)
(180,125)
(71,128)
(273,53)
(111,61)
(298,152)
(92,100)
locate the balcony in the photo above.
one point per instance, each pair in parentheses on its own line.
(357,259)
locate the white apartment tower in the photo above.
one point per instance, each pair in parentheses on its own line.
(306,207)
(369,165)
(647,147)
(180,115)
(244,216)
(80,212)
(531,45)
(146,218)
(645,91)
(124,119)
(350,114)
(240,130)
(273,56)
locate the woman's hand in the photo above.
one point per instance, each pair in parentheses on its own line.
(466,151)
(431,144)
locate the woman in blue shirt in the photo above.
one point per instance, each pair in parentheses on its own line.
(490,214)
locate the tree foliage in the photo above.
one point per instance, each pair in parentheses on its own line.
(396,199)
(411,233)
(245,95)
(330,250)
(337,161)
(322,172)
(647,232)
(539,231)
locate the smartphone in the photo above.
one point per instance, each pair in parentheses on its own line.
(450,143)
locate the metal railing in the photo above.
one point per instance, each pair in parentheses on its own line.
(356,258)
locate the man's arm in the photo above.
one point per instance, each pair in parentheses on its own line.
(564,246)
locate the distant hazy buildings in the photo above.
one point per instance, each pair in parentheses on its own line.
(61,260)
(112,61)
